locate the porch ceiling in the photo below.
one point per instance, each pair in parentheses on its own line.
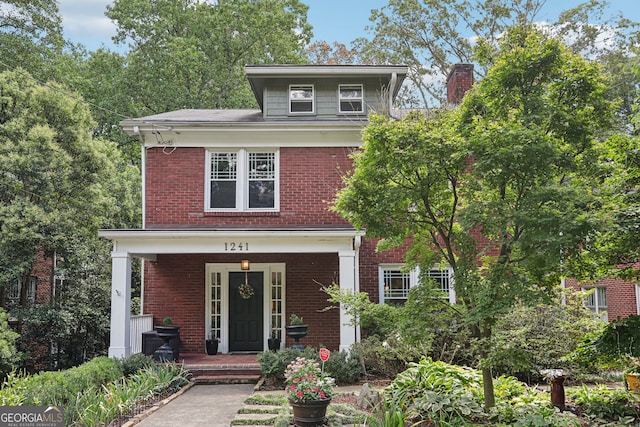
(148,243)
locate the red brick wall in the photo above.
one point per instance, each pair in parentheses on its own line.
(309,180)
(42,270)
(459,81)
(175,286)
(621,296)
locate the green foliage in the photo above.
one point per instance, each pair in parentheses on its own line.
(341,366)
(529,339)
(61,387)
(101,406)
(606,403)
(136,362)
(344,367)
(295,320)
(9,355)
(386,357)
(620,338)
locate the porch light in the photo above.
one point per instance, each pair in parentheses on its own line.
(244,264)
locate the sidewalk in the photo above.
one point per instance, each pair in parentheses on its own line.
(199,405)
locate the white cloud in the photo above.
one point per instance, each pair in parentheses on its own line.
(84,22)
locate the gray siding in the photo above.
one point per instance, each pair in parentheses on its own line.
(276,98)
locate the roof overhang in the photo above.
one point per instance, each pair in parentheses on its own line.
(180,130)
(149,243)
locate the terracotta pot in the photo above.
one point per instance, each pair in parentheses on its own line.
(309,413)
(633,381)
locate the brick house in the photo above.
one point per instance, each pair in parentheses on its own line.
(225,186)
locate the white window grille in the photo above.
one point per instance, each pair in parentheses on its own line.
(396,283)
(242,180)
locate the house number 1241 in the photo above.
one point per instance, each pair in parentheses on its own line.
(235,246)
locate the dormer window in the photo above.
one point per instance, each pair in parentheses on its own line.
(301,99)
(350,99)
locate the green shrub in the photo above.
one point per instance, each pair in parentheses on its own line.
(274,363)
(135,363)
(387,357)
(602,402)
(60,387)
(530,339)
(343,367)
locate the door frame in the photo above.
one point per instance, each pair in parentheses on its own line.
(223,269)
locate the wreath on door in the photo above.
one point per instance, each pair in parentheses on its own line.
(246,291)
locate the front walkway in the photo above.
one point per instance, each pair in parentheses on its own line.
(199,405)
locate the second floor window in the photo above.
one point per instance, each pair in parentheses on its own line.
(16,289)
(351,99)
(242,180)
(301,99)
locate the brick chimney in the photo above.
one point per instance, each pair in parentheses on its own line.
(459,81)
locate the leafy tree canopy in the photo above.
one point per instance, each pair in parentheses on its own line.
(497,189)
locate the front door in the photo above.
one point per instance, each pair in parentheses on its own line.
(246,331)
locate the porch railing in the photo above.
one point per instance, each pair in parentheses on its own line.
(139,324)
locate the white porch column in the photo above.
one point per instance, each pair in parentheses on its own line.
(348,282)
(120,344)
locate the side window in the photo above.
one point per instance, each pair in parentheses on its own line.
(350,99)
(301,99)
(395,284)
(596,301)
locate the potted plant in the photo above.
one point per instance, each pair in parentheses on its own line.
(274,341)
(620,339)
(309,392)
(211,345)
(170,333)
(296,330)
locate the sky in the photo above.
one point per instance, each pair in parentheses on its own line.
(332,20)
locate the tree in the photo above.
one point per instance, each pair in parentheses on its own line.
(432,35)
(191,54)
(497,189)
(58,186)
(30,36)
(338,54)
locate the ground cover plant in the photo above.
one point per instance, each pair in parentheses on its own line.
(97,392)
(440,394)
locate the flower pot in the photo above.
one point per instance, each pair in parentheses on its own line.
(310,413)
(633,381)
(212,347)
(274,344)
(296,332)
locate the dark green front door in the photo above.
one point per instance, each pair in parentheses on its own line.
(246,332)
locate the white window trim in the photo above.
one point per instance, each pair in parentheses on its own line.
(413,279)
(225,269)
(313,99)
(340,99)
(242,181)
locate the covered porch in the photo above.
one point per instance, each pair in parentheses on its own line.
(230,244)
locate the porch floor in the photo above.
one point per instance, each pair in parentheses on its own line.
(222,368)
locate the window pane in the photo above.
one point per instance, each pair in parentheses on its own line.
(301,107)
(224,166)
(351,98)
(396,284)
(261,194)
(262,166)
(602,298)
(350,92)
(223,194)
(301,99)
(441,279)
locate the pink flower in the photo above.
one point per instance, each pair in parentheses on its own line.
(300,394)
